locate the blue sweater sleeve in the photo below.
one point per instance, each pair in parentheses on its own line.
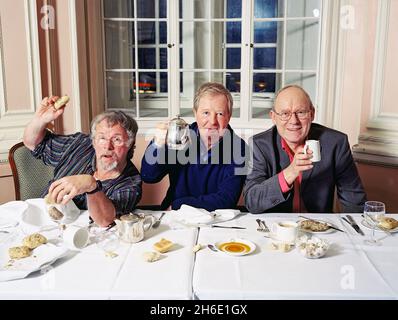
(153,169)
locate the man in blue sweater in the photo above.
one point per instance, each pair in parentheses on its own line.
(210,172)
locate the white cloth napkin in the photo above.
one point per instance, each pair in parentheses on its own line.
(191,216)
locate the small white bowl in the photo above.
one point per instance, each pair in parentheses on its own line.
(312,248)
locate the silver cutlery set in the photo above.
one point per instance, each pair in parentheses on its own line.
(350,220)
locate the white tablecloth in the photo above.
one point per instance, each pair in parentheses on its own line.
(89,274)
(350,270)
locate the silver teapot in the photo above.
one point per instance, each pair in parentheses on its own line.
(178,134)
(131,227)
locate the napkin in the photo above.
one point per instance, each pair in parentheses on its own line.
(226,214)
(191,215)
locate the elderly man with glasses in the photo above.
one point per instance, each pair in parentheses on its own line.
(284,179)
(94,171)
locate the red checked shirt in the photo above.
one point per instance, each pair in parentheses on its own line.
(298,204)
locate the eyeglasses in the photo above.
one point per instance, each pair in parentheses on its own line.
(286,115)
(116,141)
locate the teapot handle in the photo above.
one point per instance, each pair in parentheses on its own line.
(151,220)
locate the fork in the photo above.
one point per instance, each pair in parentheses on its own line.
(266,229)
(260,226)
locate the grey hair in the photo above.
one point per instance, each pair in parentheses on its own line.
(297,87)
(213,88)
(118,117)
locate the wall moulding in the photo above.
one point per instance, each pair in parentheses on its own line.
(379,143)
(13,122)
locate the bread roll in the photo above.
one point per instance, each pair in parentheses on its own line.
(151,256)
(19,252)
(55,214)
(61,101)
(34,240)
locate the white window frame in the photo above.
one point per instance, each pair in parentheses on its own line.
(324,101)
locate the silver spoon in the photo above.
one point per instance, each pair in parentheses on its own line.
(212,248)
(157,222)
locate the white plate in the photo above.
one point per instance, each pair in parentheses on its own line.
(330,230)
(45,254)
(368,226)
(243,246)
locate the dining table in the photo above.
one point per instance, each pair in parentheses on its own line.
(351,269)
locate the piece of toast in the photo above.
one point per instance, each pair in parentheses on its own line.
(61,102)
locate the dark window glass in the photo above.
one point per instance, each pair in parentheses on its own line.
(163,58)
(233,81)
(265,32)
(162,8)
(264,82)
(163,82)
(264,58)
(266,8)
(233,58)
(234,32)
(162,32)
(147,81)
(146,32)
(146,8)
(147,58)
(234,9)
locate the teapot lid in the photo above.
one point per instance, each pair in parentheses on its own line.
(178,121)
(128,217)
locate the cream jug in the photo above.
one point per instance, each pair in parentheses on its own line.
(131,227)
(177,134)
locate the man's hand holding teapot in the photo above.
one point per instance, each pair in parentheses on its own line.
(161,133)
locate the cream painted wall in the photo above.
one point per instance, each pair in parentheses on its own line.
(15,54)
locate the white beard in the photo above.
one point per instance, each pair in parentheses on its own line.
(108,167)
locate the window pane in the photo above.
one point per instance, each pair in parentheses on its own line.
(234,32)
(233,58)
(234,8)
(232,80)
(266,32)
(147,58)
(305,80)
(118,8)
(264,82)
(146,9)
(264,58)
(162,8)
(163,58)
(195,42)
(302,45)
(163,82)
(147,82)
(264,87)
(268,8)
(120,91)
(119,40)
(146,32)
(303,8)
(162,32)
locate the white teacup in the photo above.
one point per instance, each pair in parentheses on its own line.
(285,231)
(76,237)
(315,147)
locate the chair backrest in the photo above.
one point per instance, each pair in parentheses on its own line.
(31,175)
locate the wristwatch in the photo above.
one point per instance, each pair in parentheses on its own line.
(97,188)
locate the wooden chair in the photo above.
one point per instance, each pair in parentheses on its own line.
(31,175)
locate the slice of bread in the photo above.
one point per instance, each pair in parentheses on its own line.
(388,223)
(163,245)
(61,101)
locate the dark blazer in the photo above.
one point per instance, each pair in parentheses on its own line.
(262,191)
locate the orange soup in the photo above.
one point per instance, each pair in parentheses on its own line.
(234,247)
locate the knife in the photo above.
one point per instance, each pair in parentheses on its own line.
(227,227)
(354,225)
(328,224)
